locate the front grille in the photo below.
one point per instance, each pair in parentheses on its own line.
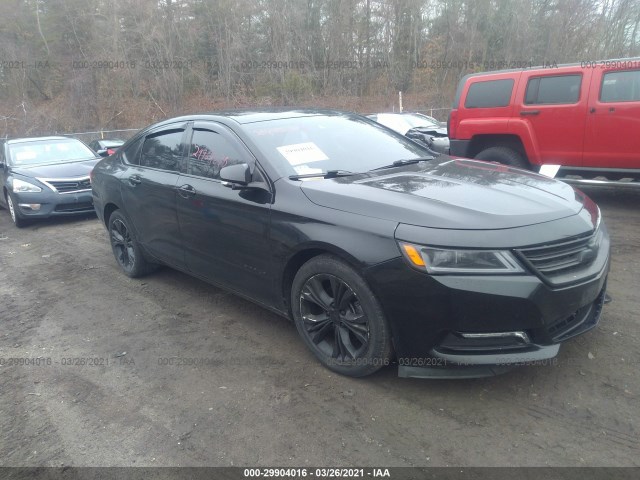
(69,186)
(75,207)
(560,260)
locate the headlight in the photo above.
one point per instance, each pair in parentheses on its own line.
(20,186)
(438,260)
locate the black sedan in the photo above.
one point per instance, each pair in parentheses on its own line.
(45,176)
(376,251)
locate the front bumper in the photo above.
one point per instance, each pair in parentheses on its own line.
(460,322)
(52,204)
(459,148)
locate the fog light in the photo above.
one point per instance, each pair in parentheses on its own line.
(485,342)
(520,336)
(30,206)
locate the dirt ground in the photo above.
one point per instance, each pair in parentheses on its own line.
(169,371)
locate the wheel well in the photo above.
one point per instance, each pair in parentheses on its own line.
(294,264)
(482,142)
(108,210)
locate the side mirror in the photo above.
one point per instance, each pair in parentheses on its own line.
(102,153)
(236,175)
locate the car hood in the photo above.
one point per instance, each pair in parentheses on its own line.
(59,170)
(433,130)
(450,193)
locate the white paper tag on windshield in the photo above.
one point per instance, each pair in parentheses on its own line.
(25,155)
(299,153)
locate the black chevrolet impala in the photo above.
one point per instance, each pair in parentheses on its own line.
(377,251)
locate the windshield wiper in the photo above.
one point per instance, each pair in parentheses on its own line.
(400,163)
(327,174)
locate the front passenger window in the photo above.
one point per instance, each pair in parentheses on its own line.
(209,152)
(621,87)
(164,151)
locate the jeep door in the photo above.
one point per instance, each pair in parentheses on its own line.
(613,121)
(551,108)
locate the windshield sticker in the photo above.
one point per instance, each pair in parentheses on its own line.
(25,155)
(300,153)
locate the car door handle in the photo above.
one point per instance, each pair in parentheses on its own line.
(612,109)
(186,191)
(530,112)
(135,180)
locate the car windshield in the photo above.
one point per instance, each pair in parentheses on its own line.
(316,144)
(40,152)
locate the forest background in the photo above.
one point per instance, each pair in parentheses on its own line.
(78,65)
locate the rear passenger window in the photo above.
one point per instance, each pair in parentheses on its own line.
(130,153)
(621,87)
(209,152)
(493,93)
(164,151)
(553,90)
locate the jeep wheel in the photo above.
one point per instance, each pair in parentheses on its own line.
(504,155)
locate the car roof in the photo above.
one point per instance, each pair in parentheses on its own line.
(36,139)
(253,115)
(396,113)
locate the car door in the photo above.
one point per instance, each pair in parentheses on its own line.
(613,121)
(554,107)
(225,231)
(153,167)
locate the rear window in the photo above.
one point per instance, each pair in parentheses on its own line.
(553,90)
(621,87)
(492,93)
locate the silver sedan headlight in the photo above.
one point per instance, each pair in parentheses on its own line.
(20,186)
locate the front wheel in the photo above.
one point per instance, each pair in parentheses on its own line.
(339,318)
(504,155)
(18,220)
(126,248)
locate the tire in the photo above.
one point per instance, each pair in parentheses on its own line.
(353,340)
(126,248)
(504,155)
(18,220)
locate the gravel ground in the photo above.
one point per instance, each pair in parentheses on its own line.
(169,371)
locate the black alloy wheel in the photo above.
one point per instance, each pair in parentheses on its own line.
(333,317)
(339,318)
(125,247)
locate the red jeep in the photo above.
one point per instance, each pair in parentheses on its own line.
(584,117)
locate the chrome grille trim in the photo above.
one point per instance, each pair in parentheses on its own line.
(68,185)
(565,255)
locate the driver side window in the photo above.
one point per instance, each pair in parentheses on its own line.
(209,152)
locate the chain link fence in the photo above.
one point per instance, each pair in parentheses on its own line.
(88,137)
